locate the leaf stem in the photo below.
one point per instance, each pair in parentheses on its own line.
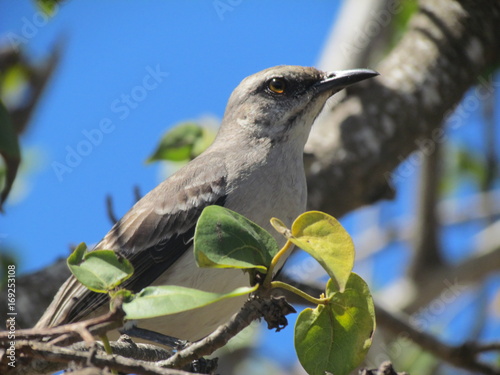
(274,262)
(106,344)
(107,349)
(300,293)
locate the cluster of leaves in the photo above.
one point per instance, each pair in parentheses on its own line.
(333,337)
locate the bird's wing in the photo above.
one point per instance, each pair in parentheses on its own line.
(152,235)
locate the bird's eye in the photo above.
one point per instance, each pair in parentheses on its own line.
(277,85)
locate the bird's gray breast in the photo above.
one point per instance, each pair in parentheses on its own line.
(275,186)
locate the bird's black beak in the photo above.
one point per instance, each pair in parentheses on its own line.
(342,78)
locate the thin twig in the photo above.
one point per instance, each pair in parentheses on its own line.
(137,193)
(51,353)
(109,209)
(69,333)
(253,309)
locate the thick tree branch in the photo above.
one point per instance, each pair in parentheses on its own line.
(358,144)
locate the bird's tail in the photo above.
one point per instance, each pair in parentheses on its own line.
(62,305)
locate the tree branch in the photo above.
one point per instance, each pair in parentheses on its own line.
(50,353)
(426,249)
(72,332)
(255,308)
(356,146)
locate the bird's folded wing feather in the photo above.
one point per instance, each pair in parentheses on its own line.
(152,235)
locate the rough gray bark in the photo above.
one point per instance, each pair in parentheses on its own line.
(357,146)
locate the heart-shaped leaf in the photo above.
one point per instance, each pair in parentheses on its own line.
(99,270)
(323,237)
(336,337)
(226,239)
(156,301)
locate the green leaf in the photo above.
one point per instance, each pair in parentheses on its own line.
(156,301)
(323,237)
(13,79)
(336,337)
(472,165)
(99,270)
(182,143)
(400,20)
(9,149)
(226,239)
(48,6)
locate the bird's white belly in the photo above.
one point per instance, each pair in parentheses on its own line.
(196,324)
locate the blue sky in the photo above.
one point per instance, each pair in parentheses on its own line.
(195,54)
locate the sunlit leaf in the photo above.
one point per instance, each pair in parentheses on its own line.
(170,299)
(336,337)
(323,237)
(99,270)
(48,6)
(226,239)
(13,79)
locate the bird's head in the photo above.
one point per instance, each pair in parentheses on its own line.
(283,101)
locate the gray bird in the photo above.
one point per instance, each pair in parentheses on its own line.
(254,167)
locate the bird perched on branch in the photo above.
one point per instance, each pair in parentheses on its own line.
(254,167)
